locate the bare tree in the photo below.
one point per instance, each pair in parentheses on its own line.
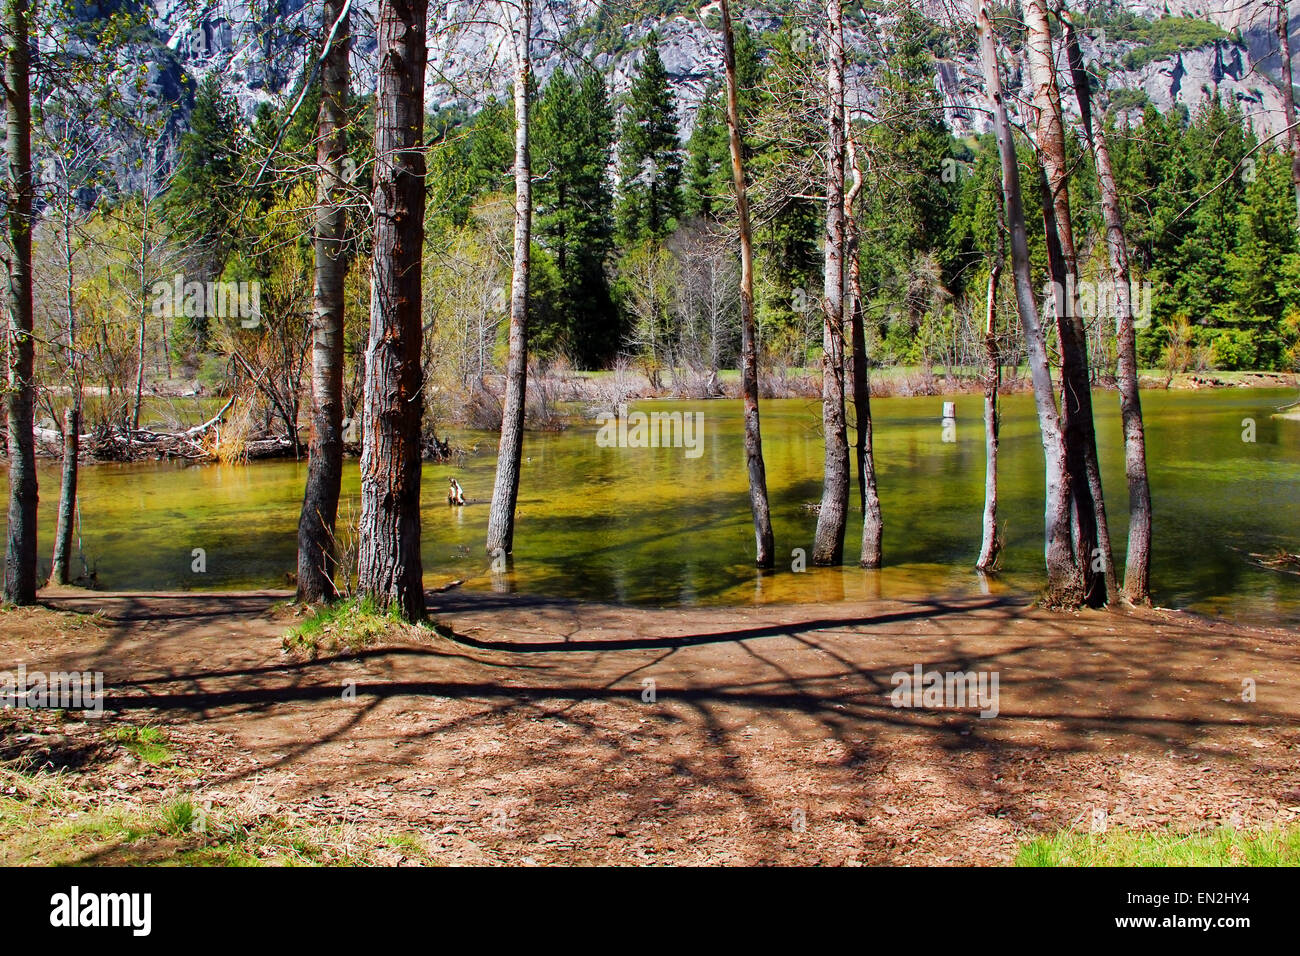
(20,398)
(1091,532)
(505,490)
(1137,563)
(1064,578)
(320,503)
(757,471)
(828,544)
(864,445)
(388,561)
(991,544)
(1288,97)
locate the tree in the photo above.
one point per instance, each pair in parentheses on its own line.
(1064,579)
(763,540)
(872,555)
(1137,563)
(1091,533)
(1288,98)
(650,163)
(828,544)
(20,396)
(571,145)
(505,489)
(320,503)
(388,561)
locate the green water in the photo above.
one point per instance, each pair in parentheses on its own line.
(653,526)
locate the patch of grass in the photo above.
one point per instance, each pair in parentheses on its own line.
(45,822)
(345,625)
(148,744)
(1224,847)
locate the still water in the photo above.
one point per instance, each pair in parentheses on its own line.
(659,526)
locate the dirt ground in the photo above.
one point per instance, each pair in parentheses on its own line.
(530,736)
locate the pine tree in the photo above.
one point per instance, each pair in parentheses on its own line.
(650,161)
(573,142)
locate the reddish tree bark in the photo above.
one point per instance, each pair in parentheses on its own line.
(388,566)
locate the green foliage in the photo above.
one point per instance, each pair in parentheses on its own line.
(1224,847)
(650,171)
(573,135)
(1166,37)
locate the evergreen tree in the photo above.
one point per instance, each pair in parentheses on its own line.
(650,162)
(199,203)
(573,140)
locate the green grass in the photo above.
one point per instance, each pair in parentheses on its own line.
(1224,847)
(148,744)
(46,822)
(343,626)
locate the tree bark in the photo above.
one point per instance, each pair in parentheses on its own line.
(758,504)
(1064,578)
(317,555)
(1092,535)
(1137,563)
(828,544)
(388,565)
(505,490)
(20,397)
(1288,98)
(863,446)
(990,545)
(60,565)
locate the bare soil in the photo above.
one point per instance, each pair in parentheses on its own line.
(525,732)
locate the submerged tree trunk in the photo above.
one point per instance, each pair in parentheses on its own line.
(1064,578)
(863,446)
(1288,97)
(388,560)
(763,540)
(828,544)
(59,566)
(505,491)
(1092,535)
(1137,563)
(991,545)
(317,555)
(20,397)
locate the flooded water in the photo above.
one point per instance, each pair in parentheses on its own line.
(664,526)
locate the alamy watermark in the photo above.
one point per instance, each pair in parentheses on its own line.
(623,429)
(209,300)
(59,690)
(1098,299)
(951,689)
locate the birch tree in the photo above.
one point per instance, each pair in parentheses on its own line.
(320,503)
(754,465)
(505,489)
(1064,577)
(828,543)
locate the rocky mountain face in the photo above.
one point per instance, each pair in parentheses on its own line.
(260,51)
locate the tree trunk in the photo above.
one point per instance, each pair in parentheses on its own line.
(20,397)
(317,554)
(388,561)
(1137,563)
(59,567)
(505,490)
(828,544)
(1092,535)
(758,505)
(1064,578)
(1288,97)
(864,450)
(991,545)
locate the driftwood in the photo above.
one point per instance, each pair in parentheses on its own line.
(120,443)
